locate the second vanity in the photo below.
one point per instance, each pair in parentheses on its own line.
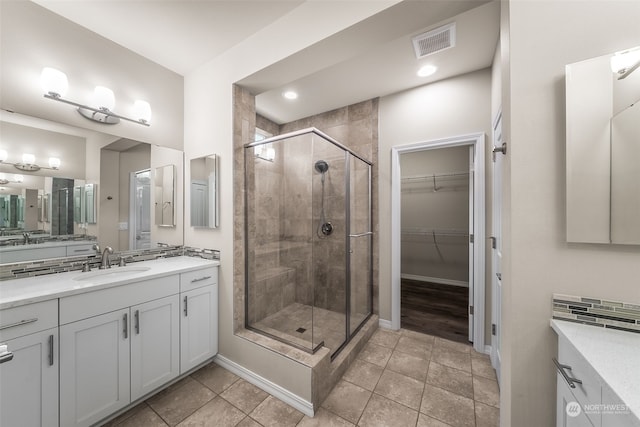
(81,347)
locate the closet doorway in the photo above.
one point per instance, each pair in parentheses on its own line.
(438,238)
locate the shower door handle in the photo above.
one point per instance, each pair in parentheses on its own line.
(366,233)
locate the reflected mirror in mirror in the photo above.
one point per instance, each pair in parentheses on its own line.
(603,145)
(204,192)
(164,183)
(89,203)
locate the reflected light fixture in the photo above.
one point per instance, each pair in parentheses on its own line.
(28,163)
(290,94)
(265,152)
(16,179)
(427,70)
(55,84)
(625,62)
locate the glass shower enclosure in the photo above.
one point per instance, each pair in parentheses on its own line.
(308,240)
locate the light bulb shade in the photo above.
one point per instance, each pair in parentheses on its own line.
(18,178)
(3,155)
(54,81)
(28,159)
(104,98)
(54,162)
(142,111)
(622,61)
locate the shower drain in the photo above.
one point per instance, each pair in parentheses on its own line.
(301,330)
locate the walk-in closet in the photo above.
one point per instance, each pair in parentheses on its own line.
(435,251)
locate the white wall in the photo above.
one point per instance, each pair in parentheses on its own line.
(542,37)
(456,106)
(208,94)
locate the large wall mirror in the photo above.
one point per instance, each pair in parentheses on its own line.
(204,192)
(603,148)
(103,187)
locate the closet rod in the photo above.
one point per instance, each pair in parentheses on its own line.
(431,232)
(436,175)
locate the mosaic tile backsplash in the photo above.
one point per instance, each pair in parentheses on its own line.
(597,312)
(61,265)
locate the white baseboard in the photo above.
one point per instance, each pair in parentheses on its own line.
(286,396)
(385,324)
(487,350)
(435,280)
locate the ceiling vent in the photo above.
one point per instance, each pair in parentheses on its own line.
(435,40)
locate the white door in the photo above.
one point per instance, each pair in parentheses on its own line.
(198,326)
(155,344)
(94,368)
(496,285)
(29,381)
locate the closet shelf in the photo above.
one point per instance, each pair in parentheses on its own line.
(437,176)
(436,181)
(434,232)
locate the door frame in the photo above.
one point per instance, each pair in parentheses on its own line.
(477,140)
(496,251)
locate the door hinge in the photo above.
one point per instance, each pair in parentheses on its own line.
(471,310)
(493,329)
(494,242)
(471,238)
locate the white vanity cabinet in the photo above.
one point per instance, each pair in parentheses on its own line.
(116,345)
(29,368)
(198,317)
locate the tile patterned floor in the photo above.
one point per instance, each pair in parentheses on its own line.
(401,378)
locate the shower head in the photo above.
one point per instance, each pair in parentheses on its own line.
(321,166)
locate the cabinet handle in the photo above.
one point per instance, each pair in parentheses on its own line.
(50,350)
(137,318)
(124,326)
(5,355)
(200,279)
(20,323)
(567,378)
(185,307)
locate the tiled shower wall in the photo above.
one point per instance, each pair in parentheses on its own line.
(354,126)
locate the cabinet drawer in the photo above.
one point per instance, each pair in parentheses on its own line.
(83,306)
(28,319)
(198,278)
(85,249)
(590,391)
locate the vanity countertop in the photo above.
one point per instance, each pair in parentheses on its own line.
(613,354)
(28,290)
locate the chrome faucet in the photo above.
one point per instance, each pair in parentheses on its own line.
(104,261)
(96,247)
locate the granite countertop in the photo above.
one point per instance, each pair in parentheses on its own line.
(613,354)
(18,292)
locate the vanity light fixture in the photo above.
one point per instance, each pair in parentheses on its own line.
(427,70)
(28,163)
(55,85)
(625,62)
(16,179)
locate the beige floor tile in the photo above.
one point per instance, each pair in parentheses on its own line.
(248,422)
(486,391)
(427,421)
(275,413)
(482,367)
(453,345)
(382,412)
(347,401)
(400,388)
(451,408)
(217,412)
(244,395)
(122,417)
(375,354)
(363,374)
(450,379)
(144,417)
(477,355)
(177,403)
(414,347)
(324,418)
(215,377)
(487,416)
(385,338)
(451,358)
(406,364)
(418,336)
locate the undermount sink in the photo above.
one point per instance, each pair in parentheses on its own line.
(114,272)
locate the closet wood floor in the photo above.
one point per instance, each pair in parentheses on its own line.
(435,309)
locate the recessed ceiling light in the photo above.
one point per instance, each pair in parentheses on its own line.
(427,70)
(290,94)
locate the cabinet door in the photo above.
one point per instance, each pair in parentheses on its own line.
(198,326)
(574,416)
(94,368)
(155,344)
(29,382)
